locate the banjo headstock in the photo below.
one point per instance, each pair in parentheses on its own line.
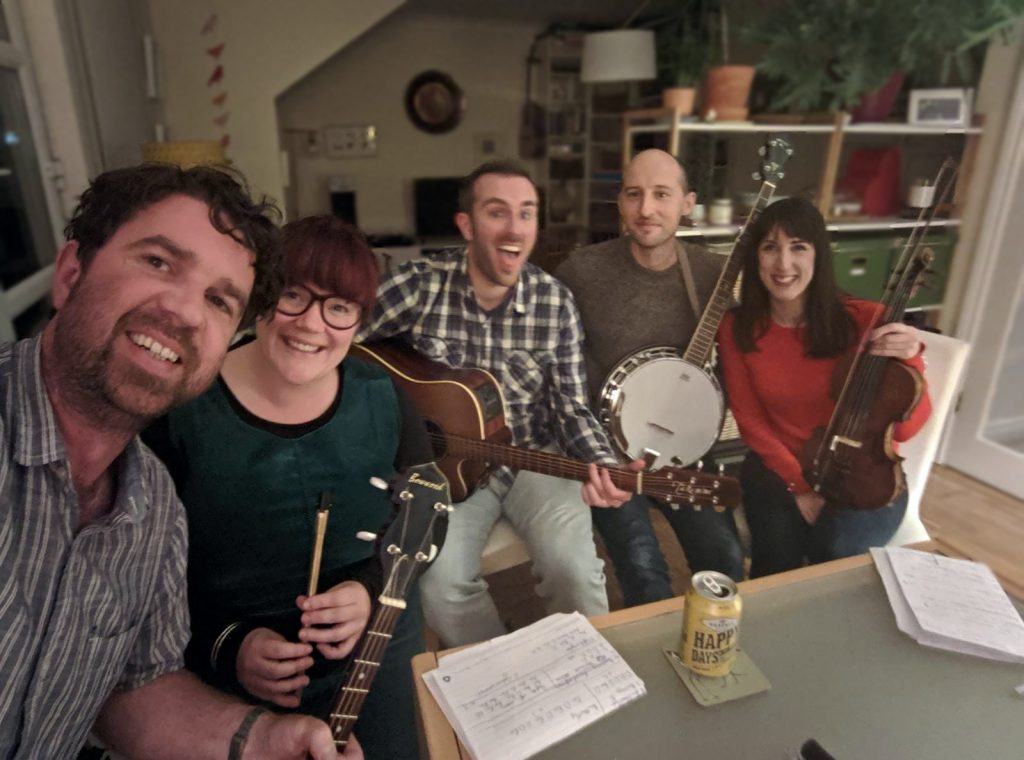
(774,154)
(414,536)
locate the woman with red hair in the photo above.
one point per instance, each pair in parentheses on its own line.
(292,416)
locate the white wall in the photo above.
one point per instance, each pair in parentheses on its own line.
(268,46)
(999,75)
(365,84)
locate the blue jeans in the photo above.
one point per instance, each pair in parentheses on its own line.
(709,540)
(782,540)
(550,516)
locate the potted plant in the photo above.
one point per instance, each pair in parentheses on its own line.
(842,55)
(826,55)
(946,38)
(682,48)
(726,85)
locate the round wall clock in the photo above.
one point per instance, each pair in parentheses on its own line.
(434,102)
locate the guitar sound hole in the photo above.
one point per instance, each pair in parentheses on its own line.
(437,439)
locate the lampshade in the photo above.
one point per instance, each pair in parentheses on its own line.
(621,55)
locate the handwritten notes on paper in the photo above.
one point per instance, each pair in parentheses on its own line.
(514,695)
(952,604)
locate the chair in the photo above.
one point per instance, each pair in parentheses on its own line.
(946,358)
(504,549)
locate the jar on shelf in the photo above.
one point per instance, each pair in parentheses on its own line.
(720,212)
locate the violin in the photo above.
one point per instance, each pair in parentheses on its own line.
(853,461)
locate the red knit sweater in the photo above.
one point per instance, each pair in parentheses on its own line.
(779,396)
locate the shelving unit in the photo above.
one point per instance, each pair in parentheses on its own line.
(848,232)
(670,122)
(581,162)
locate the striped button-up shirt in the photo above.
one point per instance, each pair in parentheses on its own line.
(532,344)
(83,612)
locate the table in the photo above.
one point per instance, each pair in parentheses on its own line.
(840,672)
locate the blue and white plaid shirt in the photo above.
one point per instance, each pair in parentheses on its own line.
(533,345)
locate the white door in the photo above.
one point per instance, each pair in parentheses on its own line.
(30,213)
(986,439)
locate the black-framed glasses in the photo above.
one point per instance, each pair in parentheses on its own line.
(337,312)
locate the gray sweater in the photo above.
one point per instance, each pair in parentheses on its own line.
(626,307)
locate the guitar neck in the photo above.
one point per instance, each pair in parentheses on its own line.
(673,485)
(698,352)
(353,692)
(544,462)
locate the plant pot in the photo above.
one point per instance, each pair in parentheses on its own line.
(680,98)
(877,105)
(726,89)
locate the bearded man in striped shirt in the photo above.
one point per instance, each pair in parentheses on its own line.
(159,268)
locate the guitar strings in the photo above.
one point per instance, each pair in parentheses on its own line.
(371,649)
(555,464)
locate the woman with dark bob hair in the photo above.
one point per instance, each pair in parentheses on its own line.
(778,349)
(289,417)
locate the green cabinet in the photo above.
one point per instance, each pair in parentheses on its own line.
(863,262)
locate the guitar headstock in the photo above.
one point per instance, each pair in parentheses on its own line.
(692,487)
(774,155)
(411,541)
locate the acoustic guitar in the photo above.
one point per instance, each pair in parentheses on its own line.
(465,416)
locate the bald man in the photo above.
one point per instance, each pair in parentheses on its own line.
(632,295)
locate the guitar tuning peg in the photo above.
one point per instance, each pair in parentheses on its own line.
(406,496)
(721,469)
(756,176)
(365,535)
(379,483)
(433,553)
(677,461)
(780,175)
(700,465)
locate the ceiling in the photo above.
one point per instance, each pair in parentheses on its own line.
(585,13)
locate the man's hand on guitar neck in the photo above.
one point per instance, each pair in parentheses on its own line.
(600,491)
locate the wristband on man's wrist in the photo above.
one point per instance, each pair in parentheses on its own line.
(242,734)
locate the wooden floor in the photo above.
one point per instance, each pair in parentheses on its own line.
(951,508)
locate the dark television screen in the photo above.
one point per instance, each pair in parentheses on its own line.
(343,206)
(436,201)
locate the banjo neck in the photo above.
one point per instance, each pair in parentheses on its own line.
(698,352)
(365,664)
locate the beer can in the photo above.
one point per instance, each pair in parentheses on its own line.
(711,624)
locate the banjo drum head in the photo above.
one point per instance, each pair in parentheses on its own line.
(665,404)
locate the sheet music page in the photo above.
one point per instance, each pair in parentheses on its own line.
(957,604)
(515,695)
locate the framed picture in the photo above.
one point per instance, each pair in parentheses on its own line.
(944,107)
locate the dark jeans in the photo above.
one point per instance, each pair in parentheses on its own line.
(709,540)
(386,728)
(781,539)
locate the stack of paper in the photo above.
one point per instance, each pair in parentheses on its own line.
(514,695)
(952,604)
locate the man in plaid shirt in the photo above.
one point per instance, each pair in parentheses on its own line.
(488,308)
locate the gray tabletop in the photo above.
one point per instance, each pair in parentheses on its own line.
(840,672)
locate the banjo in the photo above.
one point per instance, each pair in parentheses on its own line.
(669,405)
